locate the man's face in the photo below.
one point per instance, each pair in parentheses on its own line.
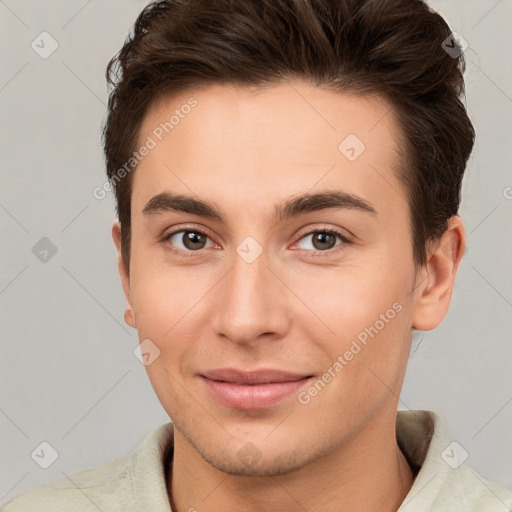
(324,294)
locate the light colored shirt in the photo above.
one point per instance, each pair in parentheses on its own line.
(137,482)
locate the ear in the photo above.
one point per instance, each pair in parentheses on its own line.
(129,315)
(435,282)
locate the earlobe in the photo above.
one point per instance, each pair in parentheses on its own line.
(129,314)
(435,286)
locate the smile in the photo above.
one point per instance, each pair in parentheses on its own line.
(252,390)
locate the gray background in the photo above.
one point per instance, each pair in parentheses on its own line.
(68,373)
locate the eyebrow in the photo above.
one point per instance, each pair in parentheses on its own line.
(293,207)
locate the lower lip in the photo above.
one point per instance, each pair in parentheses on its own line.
(258,396)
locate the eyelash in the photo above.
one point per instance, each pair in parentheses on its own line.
(328,252)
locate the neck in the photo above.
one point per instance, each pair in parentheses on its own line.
(367,473)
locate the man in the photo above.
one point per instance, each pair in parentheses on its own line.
(287,176)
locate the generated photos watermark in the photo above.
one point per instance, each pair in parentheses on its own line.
(150,143)
(342,361)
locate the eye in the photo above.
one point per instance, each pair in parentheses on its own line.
(322,241)
(189,240)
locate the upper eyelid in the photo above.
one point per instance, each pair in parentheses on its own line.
(187,228)
(321,229)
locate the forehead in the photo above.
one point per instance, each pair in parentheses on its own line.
(279,139)
(257,113)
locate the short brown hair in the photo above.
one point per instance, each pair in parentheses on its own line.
(388,47)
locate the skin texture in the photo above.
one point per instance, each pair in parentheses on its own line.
(246,150)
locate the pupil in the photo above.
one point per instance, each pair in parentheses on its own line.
(323,238)
(192,239)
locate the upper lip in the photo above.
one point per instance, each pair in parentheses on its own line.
(263,376)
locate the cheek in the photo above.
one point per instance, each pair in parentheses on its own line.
(157,307)
(363,364)
(160,294)
(166,314)
(364,330)
(171,309)
(344,300)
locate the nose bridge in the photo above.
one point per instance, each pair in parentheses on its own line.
(250,301)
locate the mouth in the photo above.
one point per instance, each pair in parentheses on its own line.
(252,390)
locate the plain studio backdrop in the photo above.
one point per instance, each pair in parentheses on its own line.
(69,376)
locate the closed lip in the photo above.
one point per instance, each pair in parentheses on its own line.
(252,377)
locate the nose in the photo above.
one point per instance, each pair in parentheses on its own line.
(251,302)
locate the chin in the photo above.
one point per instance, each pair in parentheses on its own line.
(246,459)
(281,465)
